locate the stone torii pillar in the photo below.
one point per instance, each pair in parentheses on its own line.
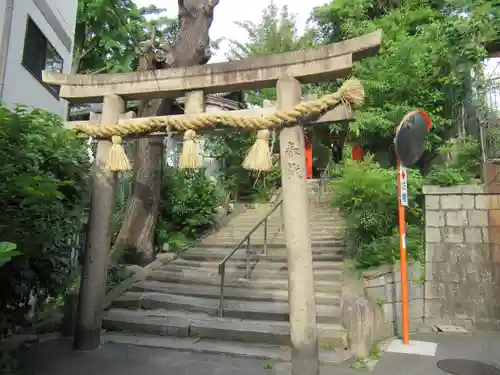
(94,274)
(301,289)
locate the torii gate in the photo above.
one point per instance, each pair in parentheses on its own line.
(287,71)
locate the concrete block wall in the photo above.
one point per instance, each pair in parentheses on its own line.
(383,285)
(461,275)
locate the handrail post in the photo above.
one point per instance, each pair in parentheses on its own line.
(282,218)
(265,236)
(222,272)
(247,268)
(222,265)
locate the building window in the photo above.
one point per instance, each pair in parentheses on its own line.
(39,55)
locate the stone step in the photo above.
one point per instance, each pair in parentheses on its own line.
(276,228)
(240,294)
(225,246)
(254,310)
(250,222)
(322,234)
(261,265)
(206,254)
(314,209)
(256,250)
(328,241)
(272,242)
(316,212)
(262,351)
(225,242)
(337,250)
(203,326)
(238,271)
(214,279)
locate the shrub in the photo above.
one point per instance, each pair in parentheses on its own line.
(447,176)
(187,208)
(367,196)
(239,183)
(464,166)
(44,178)
(7,251)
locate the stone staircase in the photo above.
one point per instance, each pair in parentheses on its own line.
(176,306)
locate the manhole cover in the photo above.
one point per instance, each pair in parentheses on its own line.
(467,367)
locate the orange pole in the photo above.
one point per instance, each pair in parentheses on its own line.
(403,262)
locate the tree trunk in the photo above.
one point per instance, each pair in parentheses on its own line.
(191,47)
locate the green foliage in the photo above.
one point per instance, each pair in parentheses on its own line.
(275,32)
(322,155)
(447,176)
(335,170)
(109,31)
(230,149)
(466,154)
(428,51)
(116,274)
(462,167)
(237,182)
(187,208)
(123,193)
(367,196)
(265,184)
(44,187)
(7,251)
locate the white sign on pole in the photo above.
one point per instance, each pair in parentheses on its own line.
(403,178)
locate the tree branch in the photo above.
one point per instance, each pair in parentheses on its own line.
(211,5)
(89,48)
(104,69)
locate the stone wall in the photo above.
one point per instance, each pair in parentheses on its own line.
(461,236)
(371,305)
(383,285)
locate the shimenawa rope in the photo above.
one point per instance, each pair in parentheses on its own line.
(350,93)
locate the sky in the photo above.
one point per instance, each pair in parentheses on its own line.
(229,11)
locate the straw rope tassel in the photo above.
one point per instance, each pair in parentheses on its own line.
(259,155)
(117,159)
(350,93)
(189,157)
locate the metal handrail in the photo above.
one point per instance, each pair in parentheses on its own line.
(322,181)
(222,264)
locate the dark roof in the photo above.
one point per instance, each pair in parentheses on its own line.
(217,99)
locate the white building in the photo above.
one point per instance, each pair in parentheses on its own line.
(492,75)
(35,35)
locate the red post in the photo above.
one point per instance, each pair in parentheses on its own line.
(357,153)
(309,158)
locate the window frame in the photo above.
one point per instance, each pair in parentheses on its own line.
(53,90)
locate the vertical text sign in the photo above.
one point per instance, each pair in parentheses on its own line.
(404,186)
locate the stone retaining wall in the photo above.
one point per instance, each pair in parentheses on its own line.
(383,285)
(459,283)
(461,266)
(371,305)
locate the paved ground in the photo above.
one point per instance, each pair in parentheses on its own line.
(56,358)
